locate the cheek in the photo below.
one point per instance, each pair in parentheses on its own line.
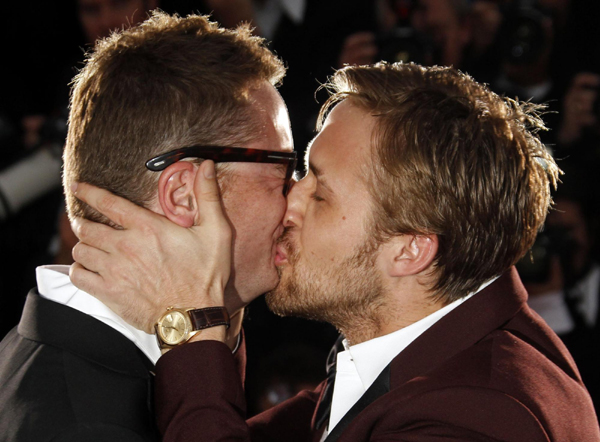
(267,214)
(329,241)
(256,221)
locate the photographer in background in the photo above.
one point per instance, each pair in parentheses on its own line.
(563,280)
(578,134)
(430,32)
(308,35)
(526,45)
(580,110)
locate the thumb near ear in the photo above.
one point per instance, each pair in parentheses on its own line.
(207,194)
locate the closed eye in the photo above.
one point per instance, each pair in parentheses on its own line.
(316,197)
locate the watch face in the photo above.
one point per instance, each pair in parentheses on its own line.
(173,327)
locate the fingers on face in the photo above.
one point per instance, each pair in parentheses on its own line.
(93,234)
(119,210)
(85,279)
(89,257)
(207,189)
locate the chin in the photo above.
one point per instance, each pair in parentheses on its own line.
(293,296)
(251,285)
(269,281)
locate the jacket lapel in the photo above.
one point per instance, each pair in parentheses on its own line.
(380,386)
(461,328)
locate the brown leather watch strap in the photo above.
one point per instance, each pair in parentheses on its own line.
(209,317)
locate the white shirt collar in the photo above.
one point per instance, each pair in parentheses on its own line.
(371,357)
(362,363)
(54,284)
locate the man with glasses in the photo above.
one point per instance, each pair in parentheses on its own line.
(151,104)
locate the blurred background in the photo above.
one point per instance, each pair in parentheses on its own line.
(545,51)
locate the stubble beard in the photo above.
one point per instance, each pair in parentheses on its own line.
(348,294)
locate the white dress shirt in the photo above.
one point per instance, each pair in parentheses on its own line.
(54,284)
(359,365)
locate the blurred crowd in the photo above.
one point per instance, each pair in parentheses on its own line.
(545,51)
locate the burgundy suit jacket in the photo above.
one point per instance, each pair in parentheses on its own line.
(490,370)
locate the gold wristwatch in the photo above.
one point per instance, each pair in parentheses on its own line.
(178,325)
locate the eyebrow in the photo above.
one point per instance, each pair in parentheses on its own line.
(315,170)
(319,174)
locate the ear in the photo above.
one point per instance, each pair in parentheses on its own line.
(406,255)
(176,193)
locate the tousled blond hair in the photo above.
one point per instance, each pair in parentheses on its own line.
(454,159)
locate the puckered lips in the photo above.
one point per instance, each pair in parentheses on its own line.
(280,255)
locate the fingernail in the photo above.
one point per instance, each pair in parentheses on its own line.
(209,170)
(74,187)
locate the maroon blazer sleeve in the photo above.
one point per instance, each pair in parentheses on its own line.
(199,394)
(199,397)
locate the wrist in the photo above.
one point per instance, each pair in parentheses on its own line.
(218,333)
(180,325)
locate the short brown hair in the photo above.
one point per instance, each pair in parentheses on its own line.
(166,83)
(454,159)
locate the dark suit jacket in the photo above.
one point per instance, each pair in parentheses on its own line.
(65,376)
(490,370)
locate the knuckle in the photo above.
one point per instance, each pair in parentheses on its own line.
(76,252)
(76,226)
(74,272)
(77,276)
(147,230)
(83,231)
(210,196)
(125,247)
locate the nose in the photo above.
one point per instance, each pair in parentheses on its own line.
(296,204)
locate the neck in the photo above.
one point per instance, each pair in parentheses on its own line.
(235,328)
(235,307)
(387,318)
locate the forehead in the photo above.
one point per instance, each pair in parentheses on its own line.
(344,140)
(341,154)
(274,121)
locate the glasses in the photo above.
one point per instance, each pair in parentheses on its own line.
(220,154)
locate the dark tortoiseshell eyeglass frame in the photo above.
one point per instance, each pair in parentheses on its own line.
(220,154)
